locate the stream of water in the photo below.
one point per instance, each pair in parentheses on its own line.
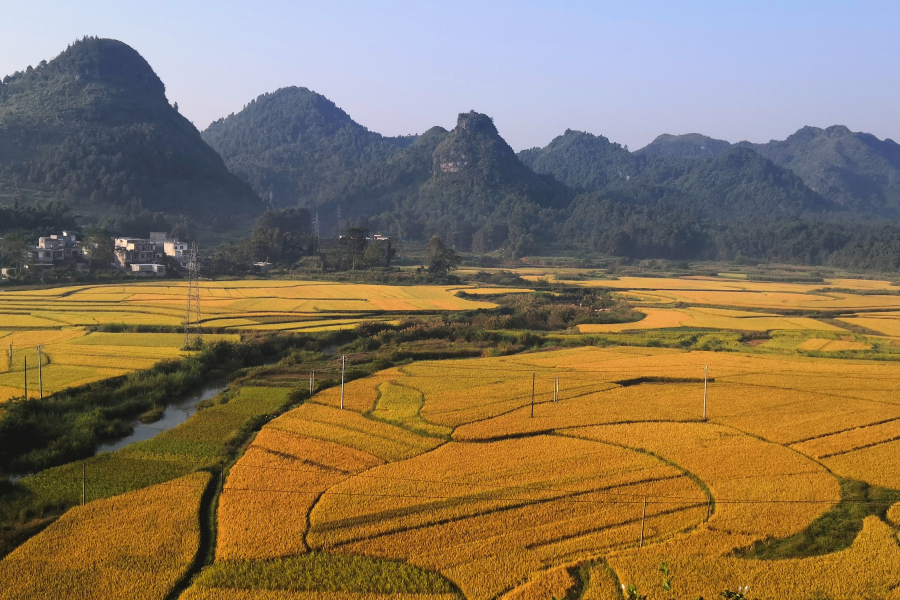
(175,414)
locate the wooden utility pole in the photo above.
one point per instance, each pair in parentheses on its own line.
(643,519)
(10,357)
(26,378)
(40,371)
(83,478)
(705,386)
(532,395)
(343,367)
(556,390)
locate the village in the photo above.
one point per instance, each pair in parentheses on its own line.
(140,257)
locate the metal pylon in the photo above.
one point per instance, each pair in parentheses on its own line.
(193,336)
(316,231)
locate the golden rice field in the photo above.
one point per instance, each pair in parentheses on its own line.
(137,545)
(57,319)
(712,318)
(449,467)
(727,292)
(239,305)
(72,356)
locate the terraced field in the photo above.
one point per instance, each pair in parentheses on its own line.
(239,305)
(59,318)
(442,466)
(72,356)
(549,473)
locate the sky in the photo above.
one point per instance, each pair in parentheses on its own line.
(628,70)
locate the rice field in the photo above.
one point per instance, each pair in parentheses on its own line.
(234,305)
(73,356)
(723,302)
(714,318)
(137,545)
(448,467)
(497,477)
(59,318)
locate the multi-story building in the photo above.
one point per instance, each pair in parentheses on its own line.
(56,249)
(138,250)
(149,251)
(178,251)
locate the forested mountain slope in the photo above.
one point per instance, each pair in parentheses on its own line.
(736,183)
(296,146)
(93,127)
(856,170)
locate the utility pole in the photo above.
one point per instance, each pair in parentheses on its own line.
(40,371)
(10,357)
(532,395)
(343,366)
(83,478)
(556,390)
(705,386)
(26,377)
(643,519)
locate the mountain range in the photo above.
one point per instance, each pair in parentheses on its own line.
(93,128)
(857,171)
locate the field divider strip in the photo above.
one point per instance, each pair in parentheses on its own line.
(519,503)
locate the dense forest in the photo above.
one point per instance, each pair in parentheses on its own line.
(35,221)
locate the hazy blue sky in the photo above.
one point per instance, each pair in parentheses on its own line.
(628,70)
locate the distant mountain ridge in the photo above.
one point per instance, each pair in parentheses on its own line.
(289,144)
(690,145)
(583,160)
(856,170)
(463,184)
(737,182)
(93,127)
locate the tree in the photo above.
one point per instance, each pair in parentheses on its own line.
(14,249)
(379,254)
(229,259)
(441,260)
(98,247)
(354,242)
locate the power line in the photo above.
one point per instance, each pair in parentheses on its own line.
(488,487)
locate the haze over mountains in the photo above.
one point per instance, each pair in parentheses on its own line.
(93,127)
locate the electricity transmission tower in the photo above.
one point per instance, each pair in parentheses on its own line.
(193,336)
(316,232)
(337,234)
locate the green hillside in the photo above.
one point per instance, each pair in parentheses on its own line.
(93,128)
(736,183)
(296,146)
(856,170)
(585,161)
